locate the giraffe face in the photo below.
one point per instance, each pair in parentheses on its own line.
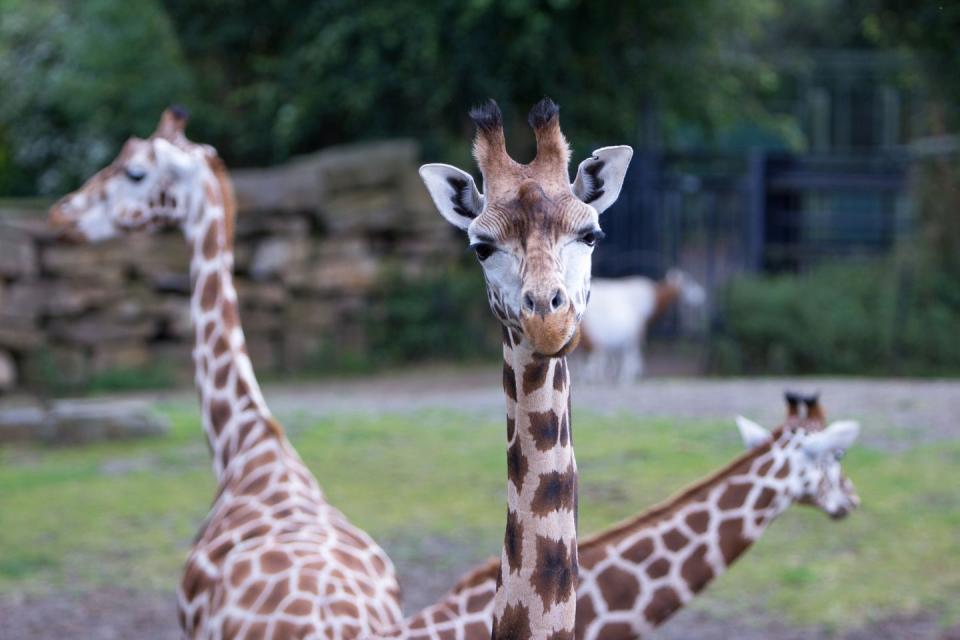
(145,187)
(822,481)
(814,457)
(533,231)
(536,254)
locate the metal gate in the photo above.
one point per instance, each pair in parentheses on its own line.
(719,215)
(716,215)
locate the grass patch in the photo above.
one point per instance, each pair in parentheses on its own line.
(125,513)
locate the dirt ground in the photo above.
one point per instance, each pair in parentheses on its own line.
(895,414)
(116,614)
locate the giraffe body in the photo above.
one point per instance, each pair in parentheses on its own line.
(633,577)
(273,559)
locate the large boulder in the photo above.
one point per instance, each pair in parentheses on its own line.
(18,254)
(277,257)
(307,182)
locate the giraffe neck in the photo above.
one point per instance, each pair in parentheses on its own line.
(233,410)
(634,576)
(656,562)
(538,567)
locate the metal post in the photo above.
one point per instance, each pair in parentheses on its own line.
(756,226)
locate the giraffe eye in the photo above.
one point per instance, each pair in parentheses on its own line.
(839,453)
(591,237)
(483,250)
(134,174)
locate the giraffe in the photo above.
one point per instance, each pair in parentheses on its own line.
(533,233)
(637,574)
(272,559)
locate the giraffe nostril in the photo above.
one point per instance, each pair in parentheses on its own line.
(839,513)
(558,300)
(529,304)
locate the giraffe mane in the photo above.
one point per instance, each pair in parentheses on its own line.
(673,504)
(274,426)
(485,572)
(219,168)
(488,570)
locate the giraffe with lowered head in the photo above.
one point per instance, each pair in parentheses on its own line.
(636,575)
(273,559)
(533,233)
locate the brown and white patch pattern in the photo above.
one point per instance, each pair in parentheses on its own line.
(634,576)
(534,235)
(272,559)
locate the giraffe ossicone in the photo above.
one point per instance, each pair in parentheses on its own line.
(273,559)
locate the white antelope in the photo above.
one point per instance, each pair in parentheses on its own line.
(615,324)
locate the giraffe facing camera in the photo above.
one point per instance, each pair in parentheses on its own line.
(532,230)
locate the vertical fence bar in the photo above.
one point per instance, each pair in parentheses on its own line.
(756,227)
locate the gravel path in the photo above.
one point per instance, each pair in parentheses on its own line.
(895,413)
(118,614)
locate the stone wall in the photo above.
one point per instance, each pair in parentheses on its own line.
(314,239)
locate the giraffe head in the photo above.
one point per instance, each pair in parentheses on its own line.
(532,230)
(147,186)
(813,452)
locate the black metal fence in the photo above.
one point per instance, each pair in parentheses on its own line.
(717,215)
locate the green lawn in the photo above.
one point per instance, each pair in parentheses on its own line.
(124,514)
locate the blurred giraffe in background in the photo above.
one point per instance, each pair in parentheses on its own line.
(273,559)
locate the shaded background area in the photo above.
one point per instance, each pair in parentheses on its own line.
(786,152)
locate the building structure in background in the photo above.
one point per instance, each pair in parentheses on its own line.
(759,206)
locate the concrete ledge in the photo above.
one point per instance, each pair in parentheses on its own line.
(68,422)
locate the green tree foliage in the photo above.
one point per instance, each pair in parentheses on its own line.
(76,78)
(442,317)
(269,78)
(298,75)
(876,319)
(929,29)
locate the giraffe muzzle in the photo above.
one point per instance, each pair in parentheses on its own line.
(552,334)
(63,225)
(839,513)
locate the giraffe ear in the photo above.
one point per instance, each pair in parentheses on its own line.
(753,435)
(600,177)
(454,192)
(838,436)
